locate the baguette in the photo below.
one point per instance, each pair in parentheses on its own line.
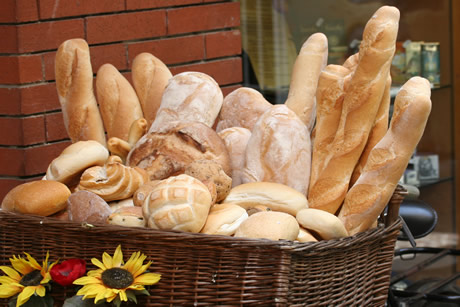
(118,102)
(74,84)
(389,158)
(307,67)
(359,110)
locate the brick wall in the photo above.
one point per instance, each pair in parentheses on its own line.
(198,35)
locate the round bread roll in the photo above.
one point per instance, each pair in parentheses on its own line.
(85,206)
(178,203)
(169,151)
(127,216)
(208,170)
(224,219)
(276,196)
(325,224)
(305,236)
(123,203)
(189,96)
(74,159)
(236,139)
(279,150)
(269,225)
(242,108)
(42,197)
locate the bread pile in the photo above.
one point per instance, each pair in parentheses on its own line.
(170,152)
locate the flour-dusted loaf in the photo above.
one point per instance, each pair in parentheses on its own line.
(74,84)
(189,96)
(279,150)
(389,158)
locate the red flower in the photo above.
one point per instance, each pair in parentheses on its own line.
(67,271)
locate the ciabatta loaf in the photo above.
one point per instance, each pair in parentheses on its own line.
(74,83)
(389,158)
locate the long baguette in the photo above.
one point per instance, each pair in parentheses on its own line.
(388,159)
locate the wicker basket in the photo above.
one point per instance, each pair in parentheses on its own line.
(208,270)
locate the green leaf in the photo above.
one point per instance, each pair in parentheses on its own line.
(34,301)
(131,296)
(78,301)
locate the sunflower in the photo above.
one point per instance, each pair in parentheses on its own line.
(115,280)
(27,278)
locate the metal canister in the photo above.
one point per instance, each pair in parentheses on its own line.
(431,66)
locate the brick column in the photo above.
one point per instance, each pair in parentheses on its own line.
(188,35)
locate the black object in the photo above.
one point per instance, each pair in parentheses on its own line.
(419,217)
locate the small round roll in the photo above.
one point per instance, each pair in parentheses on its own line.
(269,225)
(325,224)
(127,216)
(224,219)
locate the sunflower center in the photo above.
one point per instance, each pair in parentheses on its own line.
(31,279)
(117,278)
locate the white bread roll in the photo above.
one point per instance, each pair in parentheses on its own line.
(279,150)
(325,224)
(224,219)
(168,151)
(308,65)
(74,84)
(305,236)
(360,106)
(150,77)
(241,108)
(236,139)
(128,217)
(42,197)
(276,196)
(122,203)
(118,102)
(189,96)
(178,203)
(269,225)
(74,159)
(389,158)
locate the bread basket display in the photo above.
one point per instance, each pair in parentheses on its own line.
(219,200)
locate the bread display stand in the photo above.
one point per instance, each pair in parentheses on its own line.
(199,269)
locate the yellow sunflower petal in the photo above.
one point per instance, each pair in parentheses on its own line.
(147,279)
(117,257)
(45,262)
(142,269)
(7,291)
(95,273)
(6,280)
(99,296)
(99,264)
(123,296)
(21,265)
(86,280)
(25,295)
(11,272)
(91,290)
(107,260)
(33,262)
(40,290)
(111,297)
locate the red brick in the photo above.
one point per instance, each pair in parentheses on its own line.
(48,59)
(172,50)
(9,39)
(18,10)
(147,4)
(11,161)
(10,131)
(48,35)
(20,69)
(203,17)
(37,159)
(55,9)
(128,26)
(222,44)
(39,98)
(7,184)
(228,89)
(33,130)
(114,54)
(228,71)
(10,101)
(55,129)
(8,11)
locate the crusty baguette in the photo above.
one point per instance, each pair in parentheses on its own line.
(307,67)
(74,83)
(150,77)
(388,159)
(379,129)
(360,106)
(117,100)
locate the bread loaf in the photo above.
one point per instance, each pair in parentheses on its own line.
(279,150)
(326,225)
(360,106)
(224,219)
(87,207)
(150,77)
(308,65)
(189,96)
(118,102)
(305,236)
(74,83)
(389,158)
(178,203)
(236,139)
(241,108)
(138,128)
